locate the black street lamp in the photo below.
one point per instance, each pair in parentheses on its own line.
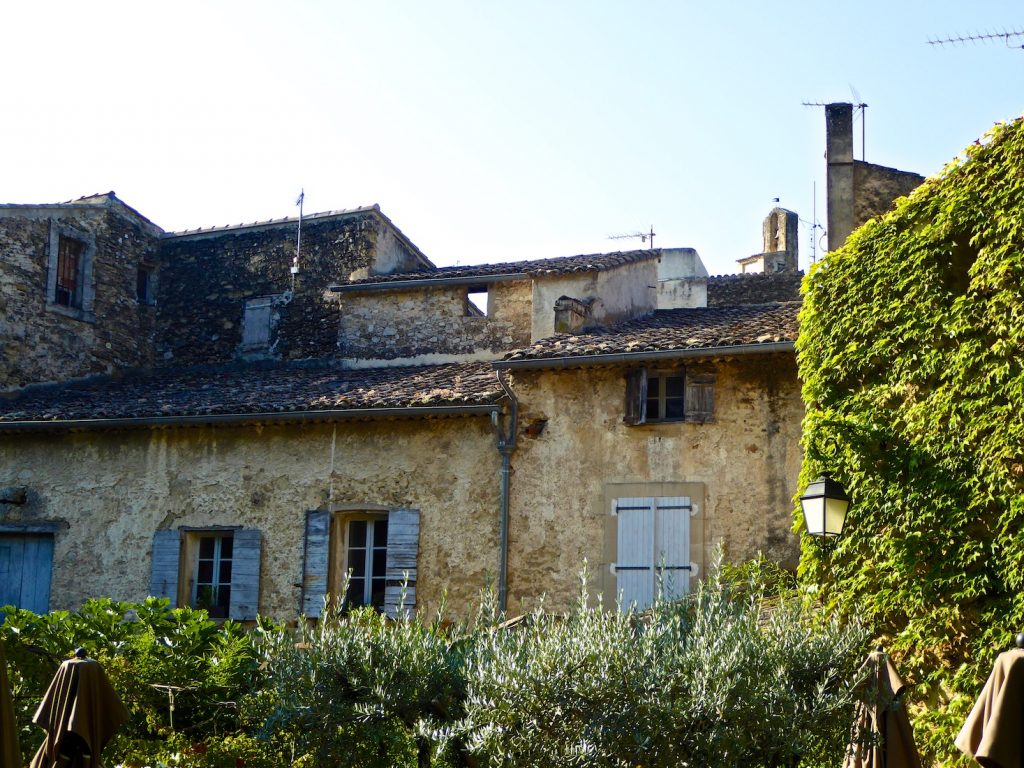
(824,505)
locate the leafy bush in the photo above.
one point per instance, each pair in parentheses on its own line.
(909,352)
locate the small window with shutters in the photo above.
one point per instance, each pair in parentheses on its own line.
(215,569)
(366,557)
(70,288)
(676,394)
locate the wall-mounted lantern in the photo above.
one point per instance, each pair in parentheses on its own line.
(824,505)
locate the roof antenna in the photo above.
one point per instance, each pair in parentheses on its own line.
(298,239)
(983,37)
(644,236)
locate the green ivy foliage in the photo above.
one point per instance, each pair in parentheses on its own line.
(910,353)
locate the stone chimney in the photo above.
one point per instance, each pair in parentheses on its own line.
(839,175)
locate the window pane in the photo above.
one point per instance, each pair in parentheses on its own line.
(225,571)
(380,533)
(205,575)
(380,560)
(357,533)
(206,545)
(355,591)
(674,408)
(653,387)
(377,596)
(674,386)
(226,545)
(357,561)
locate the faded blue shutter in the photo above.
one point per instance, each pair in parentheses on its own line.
(636,396)
(403,548)
(315,562)
(163,581)
(245,575)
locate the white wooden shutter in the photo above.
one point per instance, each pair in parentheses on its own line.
(634,564)
(672,545)
(315,562)
(245,575)
(403,548)
(163,581)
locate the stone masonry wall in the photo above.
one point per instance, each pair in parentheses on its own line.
(747,460)
(429,323)
(753,288)
(39,344)
(210,275)
(109,491)
(876,187)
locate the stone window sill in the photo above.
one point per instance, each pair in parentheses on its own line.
(74,313)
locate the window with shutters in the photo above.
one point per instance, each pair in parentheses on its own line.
(69,279)
(367,556)
(669,395)
(215,569)
(259,322)
(653,549)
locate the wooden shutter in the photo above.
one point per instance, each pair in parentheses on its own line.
(634,564)
(403,548)
(672,545)
(636,396)
(245,575)
(163,581)
(256,323)
(700,396)
(26,562)
(315,562)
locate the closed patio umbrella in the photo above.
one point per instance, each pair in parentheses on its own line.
(80,713)
(994,731)
(881,736)
(10,752)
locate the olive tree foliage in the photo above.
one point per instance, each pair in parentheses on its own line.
(739,674)
(910,354)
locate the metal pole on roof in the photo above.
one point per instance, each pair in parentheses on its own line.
(298,239)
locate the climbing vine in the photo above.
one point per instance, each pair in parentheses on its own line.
(912,356)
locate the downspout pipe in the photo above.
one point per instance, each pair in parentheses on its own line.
(506,437)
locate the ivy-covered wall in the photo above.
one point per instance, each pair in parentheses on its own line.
(910,355)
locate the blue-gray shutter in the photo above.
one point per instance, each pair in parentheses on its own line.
(315,562)
(403,548)
(245,575)
(636,396)
(163,580)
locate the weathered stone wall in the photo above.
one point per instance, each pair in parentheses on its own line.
(210,275)
(876,187)
(40,344)
(753,288)
(110,491)
(430,324)
(747,461)
(628,291)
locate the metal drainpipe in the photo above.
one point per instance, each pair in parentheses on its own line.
(506,445)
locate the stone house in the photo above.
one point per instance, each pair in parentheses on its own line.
(182,418)
(213,417)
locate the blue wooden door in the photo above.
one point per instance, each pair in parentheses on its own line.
(25,565)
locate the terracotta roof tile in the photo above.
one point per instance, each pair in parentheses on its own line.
(248,390)
(564,265)
(674,329)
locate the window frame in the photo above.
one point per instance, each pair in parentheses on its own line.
(145,275)
(191,562)
(80,304)
(697,385)
(341,553)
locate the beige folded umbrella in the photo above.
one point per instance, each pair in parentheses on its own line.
(881,736)
(10,752)
(994,732)
(80,713)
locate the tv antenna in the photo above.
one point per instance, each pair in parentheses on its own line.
(981,37)
(859,106)
(815,225)
(298,238)
(644,236)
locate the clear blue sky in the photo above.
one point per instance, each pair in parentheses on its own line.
(489,131)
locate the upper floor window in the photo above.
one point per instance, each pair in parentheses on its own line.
(68,289)
(365,563)
(669,395)
(145,279)
(69,273)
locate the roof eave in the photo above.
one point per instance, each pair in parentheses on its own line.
(227,419)
(428,282)
(618,358)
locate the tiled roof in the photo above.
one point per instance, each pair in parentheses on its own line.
(254,391)
(564,265)
(671,330)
